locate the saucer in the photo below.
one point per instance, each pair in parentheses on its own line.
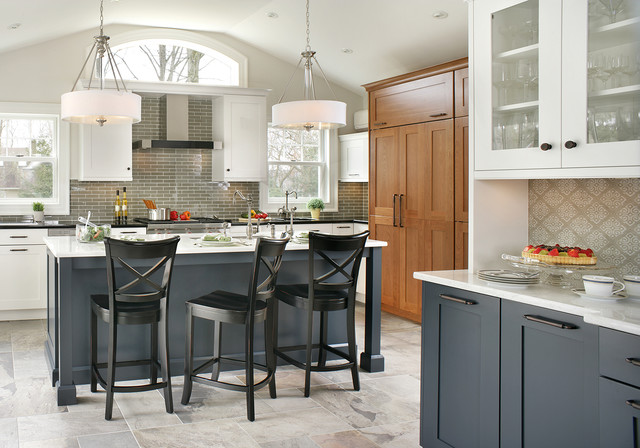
(581,292)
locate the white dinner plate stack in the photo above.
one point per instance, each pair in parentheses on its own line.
(507,277)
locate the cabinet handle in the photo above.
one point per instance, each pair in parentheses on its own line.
(458,300)
(133,232)
(18,250)
(380,123)
(18,236)
(634,404)
(546,146)
(343,227)
(353,174)
(441,114)
(400,207)
(552,322)
(634,361)
(570,144)
(394,210)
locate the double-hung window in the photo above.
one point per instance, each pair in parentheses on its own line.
(299,161)
(34,167)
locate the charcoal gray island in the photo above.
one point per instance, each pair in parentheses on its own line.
(77,270)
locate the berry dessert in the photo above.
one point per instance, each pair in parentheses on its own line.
(560,254)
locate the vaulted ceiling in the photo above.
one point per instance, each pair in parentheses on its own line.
(386,37)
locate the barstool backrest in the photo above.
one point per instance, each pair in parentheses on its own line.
(343,253)
(141,287)
(267,260)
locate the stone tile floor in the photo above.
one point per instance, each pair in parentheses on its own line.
(384,413)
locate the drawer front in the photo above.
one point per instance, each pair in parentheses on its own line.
(22,236)
(620,356)
(128,231)
(619,414)
(342,229)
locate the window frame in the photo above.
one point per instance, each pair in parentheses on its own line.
(59,203)
(329,145)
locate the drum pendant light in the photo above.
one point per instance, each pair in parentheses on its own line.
(99,105)
(309,113)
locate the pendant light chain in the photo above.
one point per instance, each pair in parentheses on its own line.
(308,32)
(101,17)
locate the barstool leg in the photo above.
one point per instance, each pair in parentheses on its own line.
(94,350)
(307,370)
(249,377)
(188,358)
(269,346)
(351,342)
(322,354)
(217,342)
(111,366)
(164,354)
(153,371)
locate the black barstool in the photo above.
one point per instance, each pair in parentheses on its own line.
(135,297)
(329,288)
(255,307)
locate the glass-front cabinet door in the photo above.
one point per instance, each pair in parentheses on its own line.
(517,54)
(601,83)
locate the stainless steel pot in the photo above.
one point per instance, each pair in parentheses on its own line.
(159,214)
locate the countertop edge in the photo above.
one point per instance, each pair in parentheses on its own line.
(621,316)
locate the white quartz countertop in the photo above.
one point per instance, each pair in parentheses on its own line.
(69,247)
(622,315)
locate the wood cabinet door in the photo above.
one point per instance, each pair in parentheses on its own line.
(549,378)
(459,402)
(461,164)
(412,102)
(461,250)
(429,248)
(461,92)
(393,261)
(385,173)
(427,157)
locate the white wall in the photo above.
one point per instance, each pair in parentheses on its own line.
(41,73)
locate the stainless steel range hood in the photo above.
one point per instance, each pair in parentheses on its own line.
(177,125)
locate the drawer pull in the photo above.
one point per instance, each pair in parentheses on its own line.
(129,233)
(553,323)
(18,250)
(380,123)
(343,227)
(634,361)
(458,300)
(18,236)
(441,114)
(634,404)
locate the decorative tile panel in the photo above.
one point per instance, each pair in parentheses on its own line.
(603,214)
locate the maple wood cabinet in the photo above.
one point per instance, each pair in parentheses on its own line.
(413,183)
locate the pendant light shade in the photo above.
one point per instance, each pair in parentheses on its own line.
(99,105)
(309,114)
(94,106)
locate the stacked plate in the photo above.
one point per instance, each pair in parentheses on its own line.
(507,277)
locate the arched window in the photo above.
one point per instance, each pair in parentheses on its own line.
(180,57)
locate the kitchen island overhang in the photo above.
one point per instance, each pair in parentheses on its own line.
(77,270)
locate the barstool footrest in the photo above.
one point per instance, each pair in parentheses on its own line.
(280,351)
(137,388)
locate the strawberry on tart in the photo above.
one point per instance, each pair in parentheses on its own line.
(560,254)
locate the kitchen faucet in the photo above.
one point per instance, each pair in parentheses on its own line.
(249,201)
(286,211)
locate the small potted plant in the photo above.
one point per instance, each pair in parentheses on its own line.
(38,211)
(315,206)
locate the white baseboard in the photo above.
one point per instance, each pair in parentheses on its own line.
(40,313)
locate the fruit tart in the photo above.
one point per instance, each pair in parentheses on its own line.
(560,254)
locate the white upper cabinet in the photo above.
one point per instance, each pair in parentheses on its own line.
(557,88)
(105,152)
(354,157)
(240,121)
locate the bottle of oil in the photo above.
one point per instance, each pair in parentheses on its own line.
(116,212)
(125,213)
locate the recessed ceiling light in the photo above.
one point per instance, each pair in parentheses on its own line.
(347,50)
(272,15)
(14,26)
(440,14)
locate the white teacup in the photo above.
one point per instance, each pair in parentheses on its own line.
(632,284)
(599,285)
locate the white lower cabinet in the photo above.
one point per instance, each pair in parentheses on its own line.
(23,270)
